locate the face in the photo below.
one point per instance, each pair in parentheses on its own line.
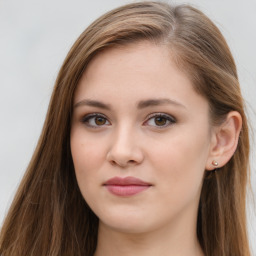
(140,139)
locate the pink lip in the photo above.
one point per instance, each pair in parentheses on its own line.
(127,186)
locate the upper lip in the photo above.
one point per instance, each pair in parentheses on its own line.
(126,181)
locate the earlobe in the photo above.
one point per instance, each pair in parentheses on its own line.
(224,141)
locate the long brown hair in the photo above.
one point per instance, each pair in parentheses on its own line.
(49,216)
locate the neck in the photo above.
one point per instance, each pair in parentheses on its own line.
(158,242)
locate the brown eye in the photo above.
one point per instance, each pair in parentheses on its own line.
(160,121)
(100,120)
(95,120)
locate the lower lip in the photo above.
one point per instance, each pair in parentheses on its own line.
(128,190)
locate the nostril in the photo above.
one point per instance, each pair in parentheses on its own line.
(123,158)
(113,162)
(122,164)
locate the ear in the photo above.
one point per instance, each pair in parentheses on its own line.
(224,141)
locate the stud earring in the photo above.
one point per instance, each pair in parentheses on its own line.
(215,163)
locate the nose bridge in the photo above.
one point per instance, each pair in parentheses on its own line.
(124,133)
(125,146)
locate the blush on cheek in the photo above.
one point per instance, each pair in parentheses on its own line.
(86,157)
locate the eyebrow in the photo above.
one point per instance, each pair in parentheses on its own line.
(142,104)
(158,102)
(92,103)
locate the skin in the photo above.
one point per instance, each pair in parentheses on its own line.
(129,140)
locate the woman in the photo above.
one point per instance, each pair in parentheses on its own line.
(145,146)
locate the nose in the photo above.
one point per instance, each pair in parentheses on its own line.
(125,149)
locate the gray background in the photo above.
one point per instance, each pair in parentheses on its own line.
(36,35)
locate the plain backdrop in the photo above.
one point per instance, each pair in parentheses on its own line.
(36,35)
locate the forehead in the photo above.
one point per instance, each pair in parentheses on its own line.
(141,55)
(141,70)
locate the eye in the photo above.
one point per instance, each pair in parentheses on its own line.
(160,120)
(95,120)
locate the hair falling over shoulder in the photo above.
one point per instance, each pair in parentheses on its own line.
(49,216)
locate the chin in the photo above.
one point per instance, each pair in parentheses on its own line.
(127,228)
(128,223)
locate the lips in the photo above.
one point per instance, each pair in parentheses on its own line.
(127,186)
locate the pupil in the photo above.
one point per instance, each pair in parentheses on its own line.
(160,121)
(100,121)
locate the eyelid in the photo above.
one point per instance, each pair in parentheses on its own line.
(172,120)
(169,118)
(87,117)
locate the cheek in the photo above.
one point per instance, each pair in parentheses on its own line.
(85,150)
(86,163)
(87,158)
(181,162)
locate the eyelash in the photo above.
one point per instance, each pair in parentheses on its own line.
(169,120)
(86,119)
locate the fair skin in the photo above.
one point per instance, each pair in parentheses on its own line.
(137,115)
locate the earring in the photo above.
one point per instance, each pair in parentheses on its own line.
(215,163)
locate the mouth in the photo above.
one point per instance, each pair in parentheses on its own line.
(127,186)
